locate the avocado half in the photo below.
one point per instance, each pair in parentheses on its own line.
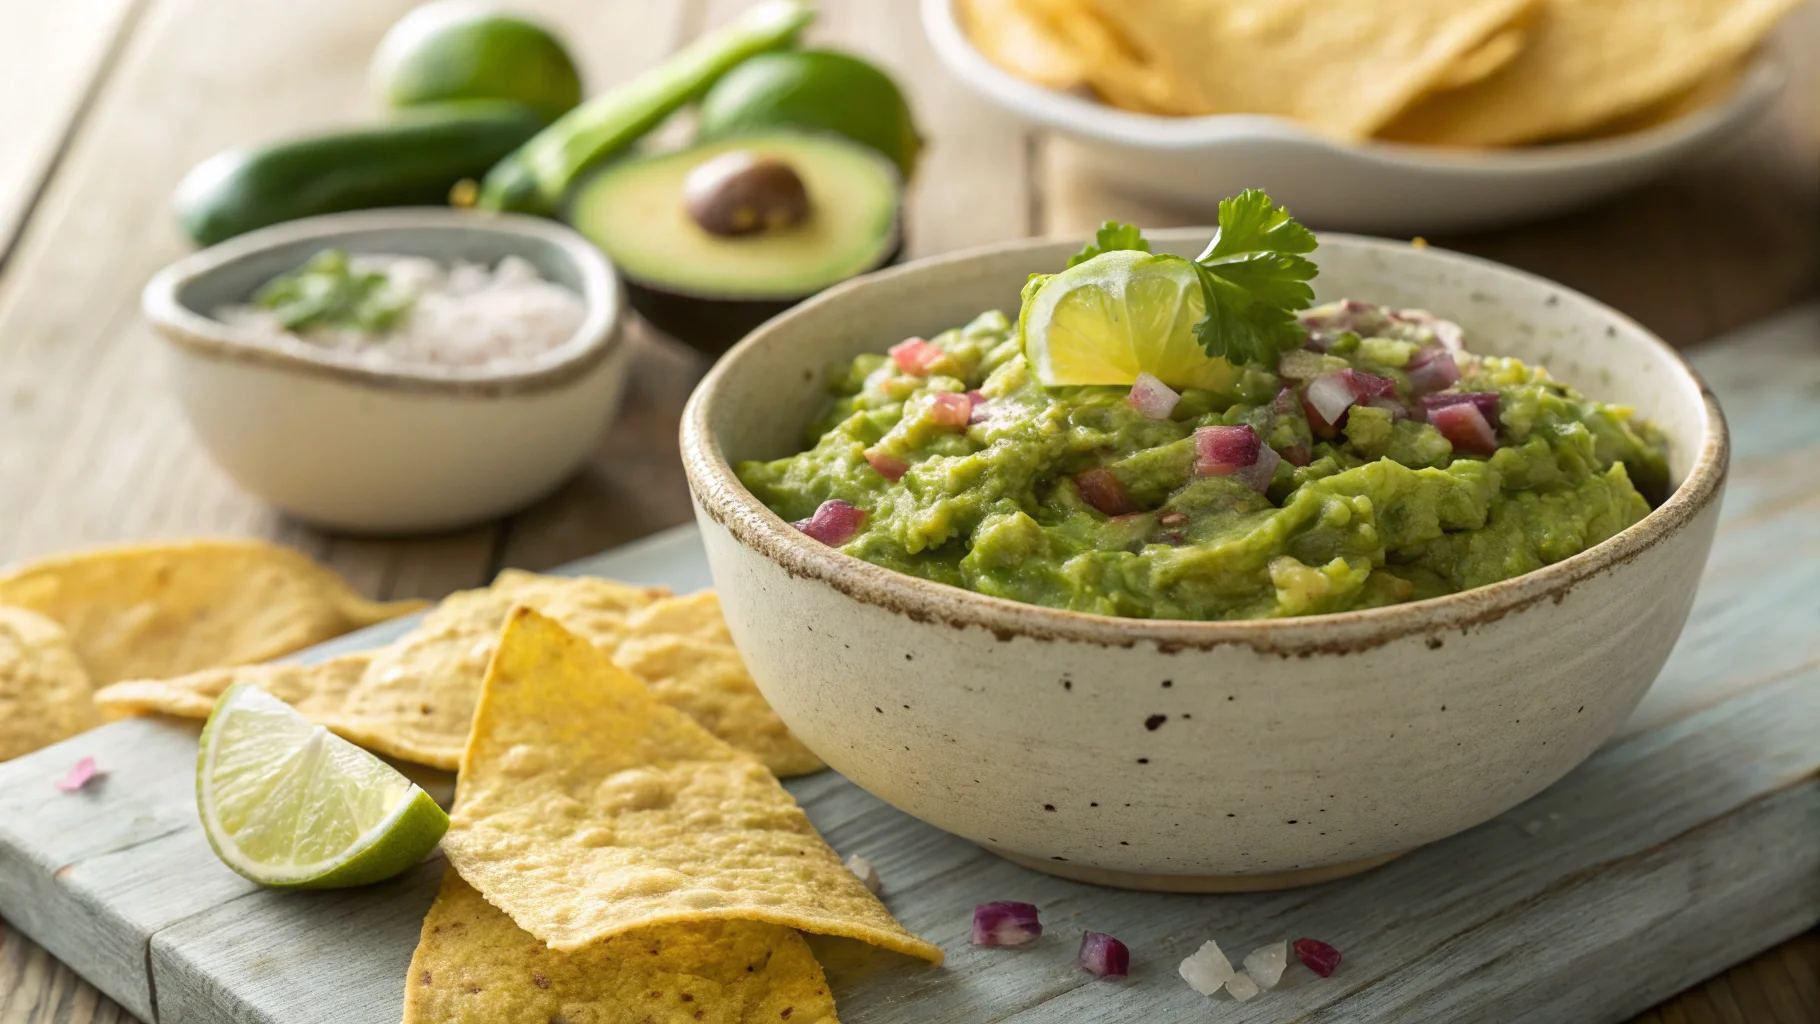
(710,290)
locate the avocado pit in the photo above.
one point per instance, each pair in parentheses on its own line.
(741,193)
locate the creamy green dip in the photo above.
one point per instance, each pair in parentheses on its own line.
(1384,510)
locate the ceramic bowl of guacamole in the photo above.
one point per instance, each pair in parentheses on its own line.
(1253,629)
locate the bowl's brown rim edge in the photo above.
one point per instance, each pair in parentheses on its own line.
(718,493)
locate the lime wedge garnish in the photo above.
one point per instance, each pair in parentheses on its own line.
(287,803)
(1117,315)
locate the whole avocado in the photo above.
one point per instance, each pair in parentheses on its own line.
(823,90)
(457,50)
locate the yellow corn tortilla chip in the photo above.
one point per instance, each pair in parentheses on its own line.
(681,648)
(474,966)
(1015,38)
(1591,62)
(44,690)
(414,699)
(1486,59)
(587,809)
(1117,70)
(153,611)
(1342,67)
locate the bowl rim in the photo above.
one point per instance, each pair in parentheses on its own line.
(1756,88)
(720,496)
(600,333)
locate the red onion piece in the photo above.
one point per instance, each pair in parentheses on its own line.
(1485,401)
(1432,368)
(889,466)
(1005,924)
(1221,451)
(950,411)
(1465,427)
(1152,398)
(1285,403)
(915,356)
(1318,956)
(1172,519)
(1258,475)
(1101,488)
(1328,397)
(1396,409)
(80,775)
(1367,386)
(834,523)
(1297,455)
(1104,956)
(977,411)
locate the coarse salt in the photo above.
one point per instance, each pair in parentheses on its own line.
(1207,970)
(1265,964)
(1241,987)
(863,869)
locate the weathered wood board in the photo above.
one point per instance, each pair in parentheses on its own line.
(1689,842)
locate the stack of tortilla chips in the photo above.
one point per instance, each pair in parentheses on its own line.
(614,861)
(1439,72)
(73,622)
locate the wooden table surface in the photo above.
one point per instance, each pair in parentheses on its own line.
(105,103)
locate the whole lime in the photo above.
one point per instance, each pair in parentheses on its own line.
(822,90)
(460,49)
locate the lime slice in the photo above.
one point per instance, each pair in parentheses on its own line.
(1117,315)
(287,803)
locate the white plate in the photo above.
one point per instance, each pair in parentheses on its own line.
(1379,187)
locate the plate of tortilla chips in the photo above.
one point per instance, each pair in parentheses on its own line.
(1393,116)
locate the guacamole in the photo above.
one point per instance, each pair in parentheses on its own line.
(969,472)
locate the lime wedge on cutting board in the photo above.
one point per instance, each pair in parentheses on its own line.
(1116,315)
(287,803)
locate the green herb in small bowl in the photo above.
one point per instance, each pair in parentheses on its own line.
(328,292)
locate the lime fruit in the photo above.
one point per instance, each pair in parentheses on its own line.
(1117,315)
(286,803)
(459,50)
(813,90)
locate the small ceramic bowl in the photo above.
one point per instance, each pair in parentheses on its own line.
(1200,756)
(399,449)
(1383,187)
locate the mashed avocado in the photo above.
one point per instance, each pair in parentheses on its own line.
(1439,471)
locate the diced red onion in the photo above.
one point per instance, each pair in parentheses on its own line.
(1432,368)
(977,411)
(889,466)
(1465,427)
(1396,409)
(1005,924)
(1172,519)
(1326,323)
(1220,451)
(950,411)
(1297,455)
(1317,956)
(1328,397)
(915,356)
(79,775)
(1485,401)
(834,523)
(1367,386)
(1285,403)
(1101,488)
(1104,956)
(1258,475)
(1152,398)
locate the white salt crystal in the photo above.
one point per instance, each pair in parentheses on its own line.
(1265,964)
(1242,987)
(1207,969)
(863,868)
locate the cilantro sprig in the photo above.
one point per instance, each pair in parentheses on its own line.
(1253,277)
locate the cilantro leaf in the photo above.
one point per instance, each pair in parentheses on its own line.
(1111,237)
(1253,279)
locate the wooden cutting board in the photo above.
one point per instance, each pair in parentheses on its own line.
(1689,842)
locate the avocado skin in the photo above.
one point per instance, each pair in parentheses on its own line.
(413,160)
(713,325)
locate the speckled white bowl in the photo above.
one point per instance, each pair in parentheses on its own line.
(390,449)
(1200,756)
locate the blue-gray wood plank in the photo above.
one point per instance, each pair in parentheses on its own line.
(1689,842)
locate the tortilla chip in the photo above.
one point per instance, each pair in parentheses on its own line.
(587,809)
(1342,67)
(474,966)
(319,692)
(1592,62)
(1015,38)
(683,651)
(1486,59)
(44,690)
(1120,72)
(153,611)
